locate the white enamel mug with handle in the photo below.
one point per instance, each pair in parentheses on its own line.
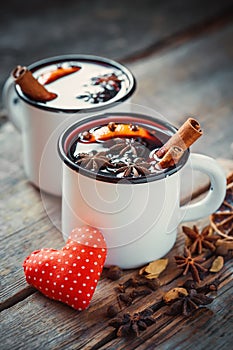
(138,217)
(41,123)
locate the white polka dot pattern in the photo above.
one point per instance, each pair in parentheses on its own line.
(71,274)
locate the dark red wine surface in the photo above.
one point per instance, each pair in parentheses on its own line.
(119,150)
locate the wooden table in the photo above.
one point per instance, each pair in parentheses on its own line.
(187,72)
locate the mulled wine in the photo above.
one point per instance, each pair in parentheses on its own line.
(122,150)
(84,82)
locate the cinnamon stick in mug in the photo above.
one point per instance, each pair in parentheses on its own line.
(172,151)
(30,85)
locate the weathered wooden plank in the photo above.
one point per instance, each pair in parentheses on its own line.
(41,323)
(194,79)
(182,333)
(18,245)
(123,27)
(81,330)
(199,331)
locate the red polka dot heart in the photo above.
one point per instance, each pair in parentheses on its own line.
(69,275)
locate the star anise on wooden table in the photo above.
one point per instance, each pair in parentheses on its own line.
(192,264)
(133,169)
(92,161)
(200,240)
(133,324)
(187,304)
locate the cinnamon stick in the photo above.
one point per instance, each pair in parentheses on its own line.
(172,151)
(30,85)
(171,157)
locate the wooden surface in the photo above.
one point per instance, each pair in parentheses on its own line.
(32,30)
(190,74)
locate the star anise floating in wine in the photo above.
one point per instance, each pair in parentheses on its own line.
(109,81)
(93,161)
(102,88)
(191,264)
(133,169)
(123,146)
(133,324)
(200,240)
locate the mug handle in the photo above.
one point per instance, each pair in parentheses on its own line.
(217,191)
(11,102)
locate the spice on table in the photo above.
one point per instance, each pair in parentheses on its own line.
(112,311)
(222,219)
(128,298)
(154,269)
(199,240)
(173,294)
(135,282)
(133,324)
(217,264)
(186,304)
(207,288)
(192,264)
(224,247)
(114,273)
(31,86)
(187,134)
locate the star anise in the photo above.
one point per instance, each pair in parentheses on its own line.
(187,304)
(122,146)
(133,169)
(109,81)
(92,161)
(200,240)
(133,324)
(192,264)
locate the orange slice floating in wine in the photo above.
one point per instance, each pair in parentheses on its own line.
(60,72)
(119,130)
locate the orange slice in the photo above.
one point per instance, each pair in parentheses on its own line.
(60,72)
(121,130)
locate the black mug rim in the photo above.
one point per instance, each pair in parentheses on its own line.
(105,178)
(98,59)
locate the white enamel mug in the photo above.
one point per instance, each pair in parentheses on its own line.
(138,217)
(41,123)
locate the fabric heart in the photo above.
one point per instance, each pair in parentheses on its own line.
(69,275)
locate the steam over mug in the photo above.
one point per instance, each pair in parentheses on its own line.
(137,216)
(99,84)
